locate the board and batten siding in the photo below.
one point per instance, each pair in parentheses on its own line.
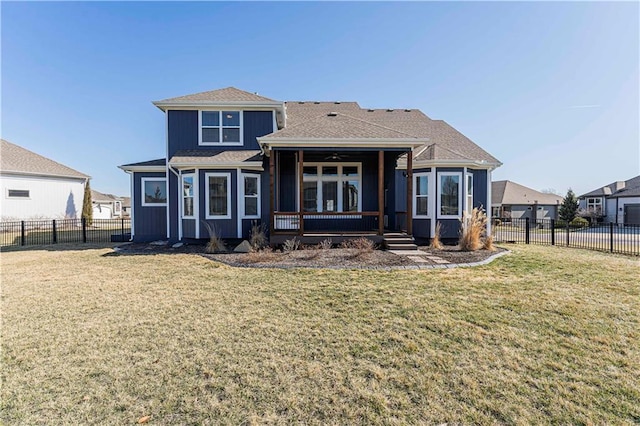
(49,197)
(150,222)
(183,130)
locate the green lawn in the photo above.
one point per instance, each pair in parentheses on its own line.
(543,335)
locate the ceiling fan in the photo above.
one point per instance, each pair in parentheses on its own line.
(335,156)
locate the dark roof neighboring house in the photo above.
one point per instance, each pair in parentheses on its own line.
(18,160)
(505,192)
(627,188)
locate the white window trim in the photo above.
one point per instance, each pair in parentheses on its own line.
(117,207)
(143,182)
(182,197)
(206,194)
(241,127)
(340,179)
(415,196)
(439,195)
(243,195)
(468,182)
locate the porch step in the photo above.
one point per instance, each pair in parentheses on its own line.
(399,242)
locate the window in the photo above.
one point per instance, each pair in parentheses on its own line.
(18,193)
(251,195)
(331,187)
(449,195)
(421,195)
(154,192)
(594,205)
(188,188)
(469,204)
(220,128)
(117,207)
(218,195)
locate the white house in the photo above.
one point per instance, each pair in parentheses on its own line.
(106,206)
(36,187)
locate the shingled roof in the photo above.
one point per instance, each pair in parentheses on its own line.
(505,192)
(18,160)
(616,189)
(228,94)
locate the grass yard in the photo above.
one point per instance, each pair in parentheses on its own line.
(543,335)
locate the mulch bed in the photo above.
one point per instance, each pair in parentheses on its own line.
(314,258)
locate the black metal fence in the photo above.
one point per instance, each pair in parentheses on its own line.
(611,237)
(41,232)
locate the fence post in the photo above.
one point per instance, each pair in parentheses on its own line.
(567,234)
(55,232)
(553,232)
(22,235)
(526,230)
(122,229)
(611,236)
(84,230)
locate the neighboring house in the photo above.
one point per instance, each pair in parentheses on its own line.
(304,168)
(126,206)
(36,187)
(618,202)
(106,206)
(510,200)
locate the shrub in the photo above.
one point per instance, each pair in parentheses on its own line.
(291,245)
(473,227)
(258,237)
(436,244)
(215,244)
(325,244)
(259,256)
(361,244)
(488,244)
(560,224)
(579,222)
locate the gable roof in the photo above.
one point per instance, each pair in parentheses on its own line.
(228,94)
(18,160)
(616,189)
(97,197)
(505,192)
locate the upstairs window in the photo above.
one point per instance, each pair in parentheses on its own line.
(220,128)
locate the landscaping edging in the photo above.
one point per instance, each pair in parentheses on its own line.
(372,268)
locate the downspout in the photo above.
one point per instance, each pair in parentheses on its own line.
(131,218)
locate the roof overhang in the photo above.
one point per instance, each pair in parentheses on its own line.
(410,143)
(48,175)
(143,169)
(248,165)
(477,164)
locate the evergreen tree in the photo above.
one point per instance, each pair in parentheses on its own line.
(569,207)
(87,205)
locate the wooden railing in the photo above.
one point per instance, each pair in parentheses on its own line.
(325,222)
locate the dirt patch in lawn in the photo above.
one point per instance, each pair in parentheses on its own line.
(334,258)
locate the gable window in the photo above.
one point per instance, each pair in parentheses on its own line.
(469,193)
(421,195)
(251,195)
(218,195)
(220,128)
(331,187)
(188,196)
(594,205)
(18,193)
(449,195)
(154,192)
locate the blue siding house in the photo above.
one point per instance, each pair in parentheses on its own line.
(309,169)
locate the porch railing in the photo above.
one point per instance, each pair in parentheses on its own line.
(325,222)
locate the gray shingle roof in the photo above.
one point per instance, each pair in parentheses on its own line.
(16,159)
(160,162)
(228,94)
(338,125)
(505,192)
(209,156)
(97,196)
(616,189)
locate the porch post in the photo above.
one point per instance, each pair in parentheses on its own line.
(301,192)
(410,192)
(380,192)
(272,197)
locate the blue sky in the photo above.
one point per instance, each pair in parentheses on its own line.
(551,89)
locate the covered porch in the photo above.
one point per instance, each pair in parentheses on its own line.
(317,193)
